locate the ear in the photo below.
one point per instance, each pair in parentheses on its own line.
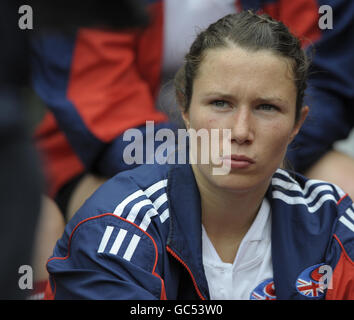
(185,117)
(303,115)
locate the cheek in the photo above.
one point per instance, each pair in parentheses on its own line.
(278,137)
(212,123)
(202,120)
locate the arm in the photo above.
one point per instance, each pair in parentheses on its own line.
(110,248)
(335,167)
(98,83)
(341,253)
(90,262)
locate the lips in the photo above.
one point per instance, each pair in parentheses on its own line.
(236,157)
(238,161)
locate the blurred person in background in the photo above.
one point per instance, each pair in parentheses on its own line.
(20,178)
(21,188)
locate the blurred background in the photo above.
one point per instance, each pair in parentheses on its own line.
(22,178)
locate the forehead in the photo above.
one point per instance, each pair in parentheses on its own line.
(237,70)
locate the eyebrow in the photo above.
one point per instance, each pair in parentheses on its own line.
(219,94)
(272,99)
(258,99)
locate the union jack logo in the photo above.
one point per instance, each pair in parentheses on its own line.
(264,291)
(308,288)
(308,283)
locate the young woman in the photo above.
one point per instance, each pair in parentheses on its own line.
(179,231)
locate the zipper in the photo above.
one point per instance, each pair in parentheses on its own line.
(174,254)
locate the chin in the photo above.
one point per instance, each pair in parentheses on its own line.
(235,183)
(241,183)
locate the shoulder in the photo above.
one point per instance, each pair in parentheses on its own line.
(119,194)
(122,219)
(318,205)
(309,194)
(316,219)
(311,207)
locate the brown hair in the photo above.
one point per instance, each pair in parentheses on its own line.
(249,31)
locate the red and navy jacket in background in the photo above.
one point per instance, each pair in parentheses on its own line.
(99,83)
(139,237)
(96,84)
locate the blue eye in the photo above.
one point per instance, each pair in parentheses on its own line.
(267,107)
(220,103)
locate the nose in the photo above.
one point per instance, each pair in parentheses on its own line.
(242,131)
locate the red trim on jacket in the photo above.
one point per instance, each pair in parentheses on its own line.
(342,278)
(174,254)
(341,199)
(51,295)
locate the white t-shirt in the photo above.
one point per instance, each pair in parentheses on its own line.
(252,264)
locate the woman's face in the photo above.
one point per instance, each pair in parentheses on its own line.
(254,95)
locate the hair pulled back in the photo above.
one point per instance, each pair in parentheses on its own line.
(249,31)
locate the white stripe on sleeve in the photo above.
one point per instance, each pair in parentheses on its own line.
(164,215)
(131,247)
(105,239)
(119,209)
(304,201)
(350,213)
(160,201)
(147,219)
(118,241)
(136,208)
(347,223)
(155,187)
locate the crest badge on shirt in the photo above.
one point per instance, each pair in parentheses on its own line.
(264,291)
(308,283)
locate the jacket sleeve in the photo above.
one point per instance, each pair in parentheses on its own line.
(111,248)
(341,254)
(98,83)
(330,93)
(105,257)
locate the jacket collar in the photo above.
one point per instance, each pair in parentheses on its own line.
(299,237)
(292,232)
(185,234)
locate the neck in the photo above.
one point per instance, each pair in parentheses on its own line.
(228,212)
(227,215)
